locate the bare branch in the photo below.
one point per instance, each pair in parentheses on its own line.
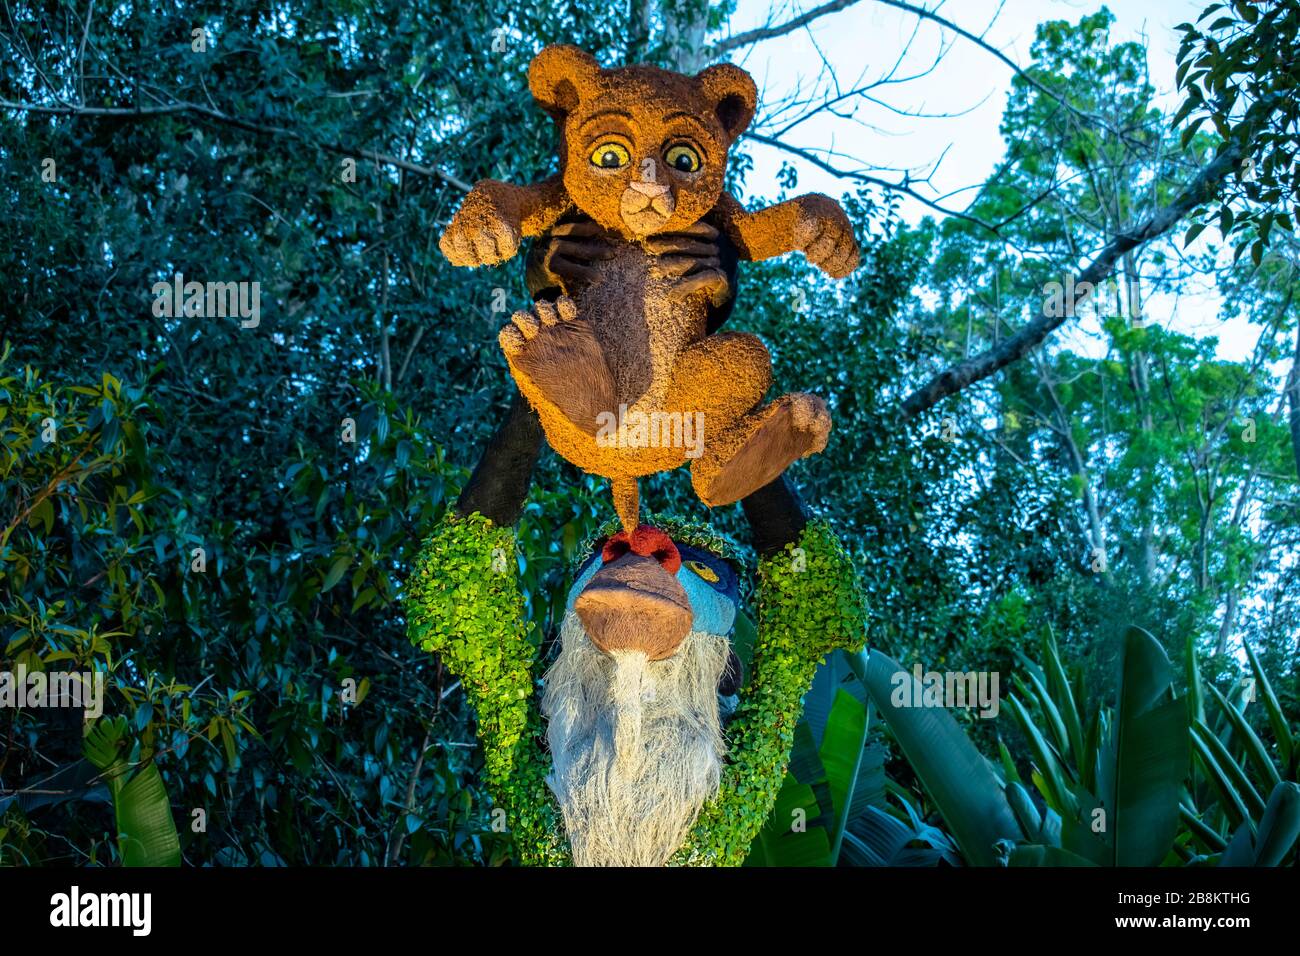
(207,112)
(985,45)
(767,33)
(963,374)
(903,187)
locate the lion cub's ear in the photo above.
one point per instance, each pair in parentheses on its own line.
(560,76)
(731,92)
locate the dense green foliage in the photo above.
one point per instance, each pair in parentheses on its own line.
(464,605)
(220,518)
(1115,782)
(1238,67)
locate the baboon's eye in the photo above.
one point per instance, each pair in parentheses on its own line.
(703,570)
(610,156)
(683,158)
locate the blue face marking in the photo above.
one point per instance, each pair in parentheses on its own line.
(713,603)
(715,613)
(585,574)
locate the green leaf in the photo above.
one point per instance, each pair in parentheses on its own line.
(841,754)
(1280,826)
(1023,807)
(1228,767)
(789,837)
(339,566)
(146,831)
(957,778)
(43,513)
(1059,686)
(1255,750)
(1195,691)
(1058,792)
(1151,752)
(1038,855)
(1209,839)
(1276,718)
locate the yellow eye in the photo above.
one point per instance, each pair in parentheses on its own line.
(683,159)
(610,156)
(704,571)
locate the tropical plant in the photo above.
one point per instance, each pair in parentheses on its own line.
(146,832)
(837,806)
(1143,783)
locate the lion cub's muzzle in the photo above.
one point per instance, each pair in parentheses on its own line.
(646,206)
(635,603)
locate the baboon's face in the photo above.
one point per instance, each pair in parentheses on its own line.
(645,592)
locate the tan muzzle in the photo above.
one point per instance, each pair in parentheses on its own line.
(645,206)
(635,603)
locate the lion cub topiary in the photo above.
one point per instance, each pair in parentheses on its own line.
(623,375)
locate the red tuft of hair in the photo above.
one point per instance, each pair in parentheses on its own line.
(646,541)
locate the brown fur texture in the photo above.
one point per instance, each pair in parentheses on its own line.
(643,154)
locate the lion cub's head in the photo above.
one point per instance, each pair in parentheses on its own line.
(643,149)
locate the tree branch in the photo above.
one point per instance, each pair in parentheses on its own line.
(207,112)
(963,374)
(810,157)
(984,45)
(767,33)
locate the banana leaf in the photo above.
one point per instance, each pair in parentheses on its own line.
(954,774)
(1195,690)
(1232,771)
(1149,753)
(1249,740)
(1059,686)
(1230,801)
(1031,854)
(790,837)
(1280,826)
(1276,718)
(146,832)
(1207,836)
(1055,788)
(878,838)
(843,743)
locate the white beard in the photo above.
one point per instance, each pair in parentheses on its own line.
(636,745)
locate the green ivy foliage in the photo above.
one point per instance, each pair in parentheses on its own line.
(464,603)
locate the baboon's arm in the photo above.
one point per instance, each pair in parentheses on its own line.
(463,602)
(809,605)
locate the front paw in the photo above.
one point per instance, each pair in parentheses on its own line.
(823,232)
(480,234)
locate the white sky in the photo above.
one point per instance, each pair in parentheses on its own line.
(869,36)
